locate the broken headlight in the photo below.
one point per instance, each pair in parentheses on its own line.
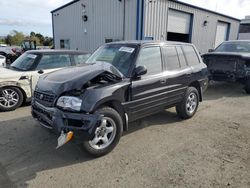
(69,103)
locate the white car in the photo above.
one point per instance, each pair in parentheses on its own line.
(18,81)
(2,61)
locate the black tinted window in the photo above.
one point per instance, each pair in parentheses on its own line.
(191,55)
(171,58)
(151,58)
(53,61)
(182,59)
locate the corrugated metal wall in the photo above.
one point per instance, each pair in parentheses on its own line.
(105,21)
(202,36)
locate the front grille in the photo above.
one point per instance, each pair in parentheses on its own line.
(44,98)
(222,63)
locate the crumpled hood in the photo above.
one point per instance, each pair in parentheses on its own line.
(72,78)
(9,75)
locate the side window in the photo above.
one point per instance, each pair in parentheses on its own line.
(53,61)
(171,57)
(80,59)
(182,59)
(151,58)
(191,55)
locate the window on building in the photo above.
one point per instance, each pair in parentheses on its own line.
(244,28)
(191,56)
(171,57)
(151,58)
(64,44)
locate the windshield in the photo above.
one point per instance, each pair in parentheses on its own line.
(241,46)
(24,62)
(119,55)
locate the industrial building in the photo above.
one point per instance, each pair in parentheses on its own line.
(87,24)
(244,32)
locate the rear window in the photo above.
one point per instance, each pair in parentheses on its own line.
(81,59)
(171,57)
(182,59)
(53,61)
(191,56)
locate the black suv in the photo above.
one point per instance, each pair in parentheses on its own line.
(120,83)
(230,62)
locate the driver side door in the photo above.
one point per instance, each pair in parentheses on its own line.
(147,90)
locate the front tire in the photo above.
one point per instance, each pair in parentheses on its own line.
(189,105)
(10,98)
(107,134)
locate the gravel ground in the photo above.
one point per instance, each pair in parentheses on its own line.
(210,150)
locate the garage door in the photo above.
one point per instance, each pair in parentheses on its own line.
(221,33)
(178,22)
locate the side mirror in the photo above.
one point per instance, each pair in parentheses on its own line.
(140,70)
(211,50)
(40,72)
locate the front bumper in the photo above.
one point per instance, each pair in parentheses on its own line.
(83,125)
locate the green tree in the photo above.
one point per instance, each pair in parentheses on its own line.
(32,34)
(17,38)
(41,38)
(48,41)
(8,40)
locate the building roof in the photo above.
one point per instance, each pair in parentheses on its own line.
(176,1)
(204,9)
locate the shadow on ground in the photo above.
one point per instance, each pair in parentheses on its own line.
(217,90)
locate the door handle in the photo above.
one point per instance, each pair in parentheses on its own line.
(163,81)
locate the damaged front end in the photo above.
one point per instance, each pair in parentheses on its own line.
(227,67)
(81,124)
(60,100)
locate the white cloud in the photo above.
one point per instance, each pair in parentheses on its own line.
(32,14)
(235,8)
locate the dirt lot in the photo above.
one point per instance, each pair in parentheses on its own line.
(210,150)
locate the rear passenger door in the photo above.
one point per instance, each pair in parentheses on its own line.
(147,91)
(177,73)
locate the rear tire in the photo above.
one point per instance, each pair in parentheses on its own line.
(10,98)
(189,105)
(107,134)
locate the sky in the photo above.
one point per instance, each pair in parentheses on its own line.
(34,15)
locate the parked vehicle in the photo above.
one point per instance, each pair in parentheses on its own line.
(120,83)
(2,61)
(230,62)
(11,53)
(17,82)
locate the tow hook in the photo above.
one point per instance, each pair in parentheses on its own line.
(64,138)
